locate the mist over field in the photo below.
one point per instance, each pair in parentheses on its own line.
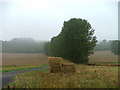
(41,20)
(29,45)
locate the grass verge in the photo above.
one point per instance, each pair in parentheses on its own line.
(9,68)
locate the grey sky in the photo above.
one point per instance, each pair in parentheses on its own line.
(43,19)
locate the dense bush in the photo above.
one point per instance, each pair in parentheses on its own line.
(115,47)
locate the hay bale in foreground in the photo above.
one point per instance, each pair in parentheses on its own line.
(68,68)
(55,60)
(55,64)
(55,68)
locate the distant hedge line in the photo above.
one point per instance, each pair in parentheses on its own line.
(22,45)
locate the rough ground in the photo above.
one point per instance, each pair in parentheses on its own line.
(7,76)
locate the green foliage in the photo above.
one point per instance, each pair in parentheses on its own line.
(115,47)
(75,42)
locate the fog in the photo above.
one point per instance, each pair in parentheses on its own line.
(43,19)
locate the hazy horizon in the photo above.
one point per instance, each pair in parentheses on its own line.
(41,20)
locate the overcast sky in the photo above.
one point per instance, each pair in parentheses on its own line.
(43,19)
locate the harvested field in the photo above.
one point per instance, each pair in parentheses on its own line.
(84,76)
(103,56)
(24,59)
(40,58)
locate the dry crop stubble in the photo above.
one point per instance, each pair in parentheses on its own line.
(103,56)
(40,58)
(24,59)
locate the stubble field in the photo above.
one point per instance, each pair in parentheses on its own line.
(24,59)
(40,58)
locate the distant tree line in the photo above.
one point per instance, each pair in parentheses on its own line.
(103,45)
(22,45)
(28,45)
(111,45)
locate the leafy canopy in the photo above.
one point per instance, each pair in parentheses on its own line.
(75,41)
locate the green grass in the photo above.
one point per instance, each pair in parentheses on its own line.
(9,68)
(84,77)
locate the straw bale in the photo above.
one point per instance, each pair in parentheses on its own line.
(68,68)
(55,64)
(55,60)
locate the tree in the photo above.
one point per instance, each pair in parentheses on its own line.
(115,47)
(75,42)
